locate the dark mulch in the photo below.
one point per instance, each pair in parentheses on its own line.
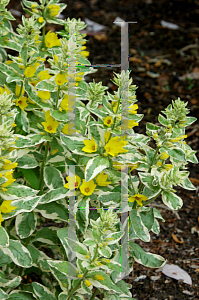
(158,60)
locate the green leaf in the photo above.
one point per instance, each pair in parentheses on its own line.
(146,259)
(162,120)
(12,74)
(47,235)
(13,283)
(109,198)
(22,141)
(21,120)
(18,253)
(59,115)
(33,95)
(54,195)
(105,251)
(53,210)
(27,162)
(4,238)
(95,166)
(148,218)
(20,295)
(152,127)
(39,258)
(4,259)
(42,292)
(171,200)
(53,178)
(3,295)
(25,224)
(23,205)
(60,270)
(75,144)
(46,85)
(32,177)
(188,185)
(104,282)
(176,153)
(15,191)
(138,226)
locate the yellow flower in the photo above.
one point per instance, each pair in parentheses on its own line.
(6,207)
(80,276)
(106,136)
(52,40)
(54,151)
(44,95)
(134,166)
(85,53)
(108,121)
(68,129)
(41,19)
(50,125)
(178,138)
(87,188)
(163,155)
(17,90)
(29,71)
(55,58)
(60,79)
(118,166)
(115,105)
(43,75)
(99,277)
(133,109)
(87,282)
(138,198)
(9,166)
(53,10)
(115,146)
(130,123)
(101,179)
(74,184)
(155,136)
(21,102)
(159,163)
(9,181)
(34,5)
(1,219)
(168,167)
(67,105)
(90,146)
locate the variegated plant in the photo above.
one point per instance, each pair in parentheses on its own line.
(62,230)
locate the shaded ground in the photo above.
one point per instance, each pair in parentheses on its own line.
(159,59)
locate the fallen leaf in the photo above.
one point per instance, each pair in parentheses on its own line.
(176,239)
(135,59)
(169,25)
(101,37)
(177,273)
(194,101)
(195,181)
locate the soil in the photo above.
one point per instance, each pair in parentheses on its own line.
(159,58)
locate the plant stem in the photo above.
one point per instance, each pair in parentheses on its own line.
(58,90)
(42,168)
(131,180)
(21,89)
(114,121)
(153,198)
(94,294)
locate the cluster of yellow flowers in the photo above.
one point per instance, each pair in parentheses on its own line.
(86,188)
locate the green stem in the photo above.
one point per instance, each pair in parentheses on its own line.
(88,118)
(114,121)
(58,91)
(131,181)
(94,294)
(21,89)
(42,168)
(40,146)
(153,198)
